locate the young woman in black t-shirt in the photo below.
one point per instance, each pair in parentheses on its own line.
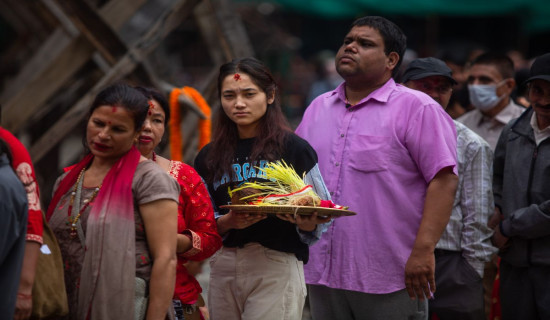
(258,273)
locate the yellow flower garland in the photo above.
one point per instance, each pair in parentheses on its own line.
(205,125)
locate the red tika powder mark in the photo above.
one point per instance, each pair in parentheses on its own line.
(237,77)
(114,109)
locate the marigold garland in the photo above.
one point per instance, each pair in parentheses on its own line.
(176,140)
(175,130)
(205,125)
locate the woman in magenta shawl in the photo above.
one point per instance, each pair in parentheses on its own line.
(115,216)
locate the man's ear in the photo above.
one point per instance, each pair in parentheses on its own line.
(510,85)
(393,59)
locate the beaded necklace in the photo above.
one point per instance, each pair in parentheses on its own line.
(74,214)
(154,158)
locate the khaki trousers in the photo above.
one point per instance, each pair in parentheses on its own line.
(254,283)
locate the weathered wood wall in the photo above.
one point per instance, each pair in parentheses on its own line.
(69,50)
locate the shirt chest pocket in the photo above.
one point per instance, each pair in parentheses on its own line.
(370,153)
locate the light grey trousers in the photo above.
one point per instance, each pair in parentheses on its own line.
(329,304)
(256,283)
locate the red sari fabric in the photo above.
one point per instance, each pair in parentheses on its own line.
(22,165)
(496,312)
(196,220)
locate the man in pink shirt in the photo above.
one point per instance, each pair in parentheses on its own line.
(389,153)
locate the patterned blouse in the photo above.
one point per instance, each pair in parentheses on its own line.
(195,220)
(22,165)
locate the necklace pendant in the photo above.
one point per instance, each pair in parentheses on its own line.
(73,233)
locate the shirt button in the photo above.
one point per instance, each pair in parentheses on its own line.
(342,135)
(337,164)
(331,193)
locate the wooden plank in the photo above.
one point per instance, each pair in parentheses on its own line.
(11,18)
(117,12)
(47,51)
(179,10)
(226,38)
(33,22)
(95,29)
(36,77)
(232,28)
(26,102)
(65,22)
(223,31)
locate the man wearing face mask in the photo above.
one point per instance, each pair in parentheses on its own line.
(521,192)
(490,83)
(465,245)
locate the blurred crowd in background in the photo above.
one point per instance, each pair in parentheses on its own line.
(300,47)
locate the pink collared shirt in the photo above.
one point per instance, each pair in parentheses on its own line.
(376,157)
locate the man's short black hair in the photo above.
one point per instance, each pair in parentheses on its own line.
(394,38)
(502,62)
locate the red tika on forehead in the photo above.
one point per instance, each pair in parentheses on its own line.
(237,77)
(151,107)
(114,109)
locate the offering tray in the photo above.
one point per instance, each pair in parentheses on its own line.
(284,209)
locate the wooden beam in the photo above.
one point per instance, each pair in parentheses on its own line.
(226,38)
(11,18)
(26,102)
(34,23)
(53,65)
(95,29)
(223,31)
(172,17)
(232,27)
(63,19)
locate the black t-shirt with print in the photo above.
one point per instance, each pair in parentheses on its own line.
(272,232)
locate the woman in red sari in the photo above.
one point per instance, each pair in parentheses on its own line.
(23,167)
(114,215)
(198,237)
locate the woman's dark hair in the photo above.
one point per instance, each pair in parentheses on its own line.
(154,94)
(394,38)
(123,96)
(273,127)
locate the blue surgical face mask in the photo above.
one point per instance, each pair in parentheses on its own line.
(484,96)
